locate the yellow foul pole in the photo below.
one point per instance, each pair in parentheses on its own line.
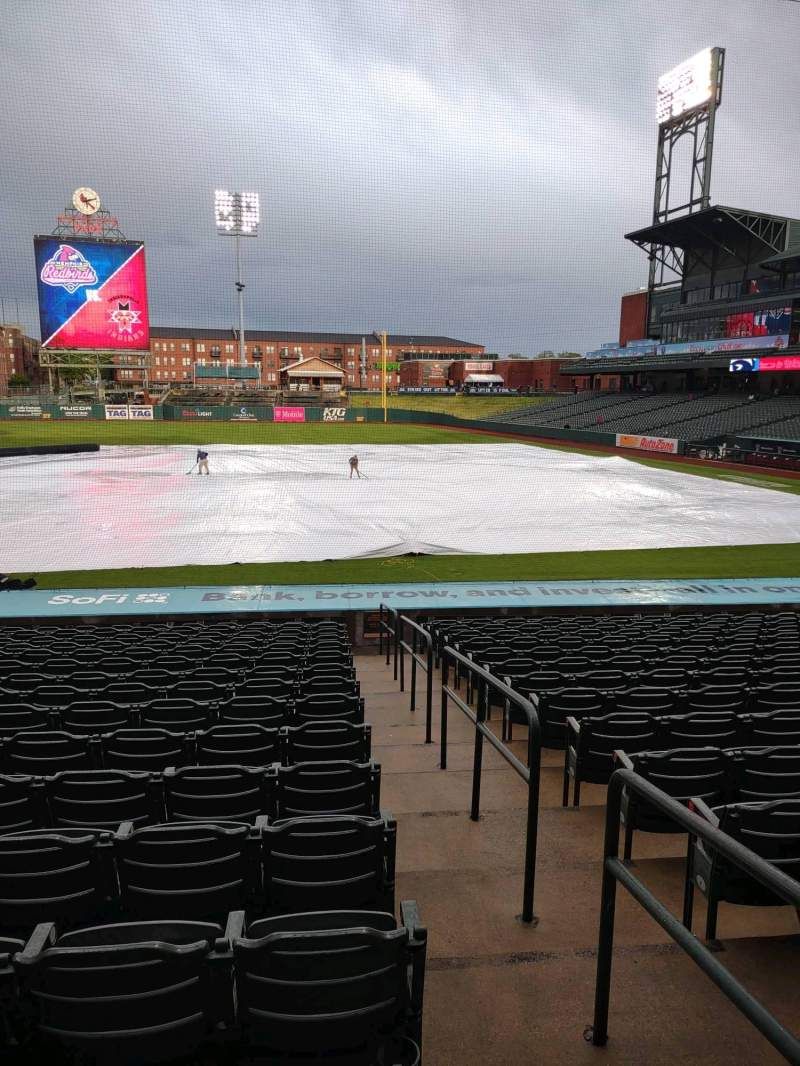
(383,376)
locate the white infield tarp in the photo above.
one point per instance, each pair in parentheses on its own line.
(137,506)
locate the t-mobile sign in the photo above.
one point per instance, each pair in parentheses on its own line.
(289,414)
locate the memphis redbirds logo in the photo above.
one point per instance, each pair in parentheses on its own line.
(68,269)
(124,315)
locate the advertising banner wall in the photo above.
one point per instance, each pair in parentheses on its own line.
(115,411)
(665,445)
(25,410)
(334,414)
(75,410)
(92,294)
(289,414)
(139,411)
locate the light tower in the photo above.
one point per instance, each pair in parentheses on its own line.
(237,214)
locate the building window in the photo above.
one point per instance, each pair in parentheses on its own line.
(201,347)
(215,351)
(228,347)
(186,362)
(297,351)
(172,360)
(270,347)
(229,362)
(171,347)
(186,347)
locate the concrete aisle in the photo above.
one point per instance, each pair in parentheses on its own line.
(498,993)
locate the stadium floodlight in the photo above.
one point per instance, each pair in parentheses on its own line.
(237,214)
(690,85)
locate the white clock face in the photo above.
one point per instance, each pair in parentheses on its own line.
(86,201)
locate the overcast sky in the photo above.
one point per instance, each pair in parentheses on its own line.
(425,166)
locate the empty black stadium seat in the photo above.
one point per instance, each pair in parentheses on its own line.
(329,705)
(770,829)
(764,774)
(23,717)
(94,716)
(55,874)
(176,714)
(774,727)
(46,751)
(143,749)
(256,710)
(346,986)
(127,993)
(592,741)
(102,799)
(683,774)
(313,788)
(244,745)
(328,863)
(222,793)
(22,805)
(555,707)
(188,870)
(326,741)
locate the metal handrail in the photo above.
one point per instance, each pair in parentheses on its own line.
(530,774)
(614,870)
(425,664)
(386,613)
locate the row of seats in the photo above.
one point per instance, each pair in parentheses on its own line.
(555,707)
(714,775)
(50,751)
(79,877)
(343,986)
(133,709)
(106,798)
(592,741)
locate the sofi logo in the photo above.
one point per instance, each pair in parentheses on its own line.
(68,269)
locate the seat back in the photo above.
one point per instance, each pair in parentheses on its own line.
(143,749)
(19,717)
(686,772)
(21,804)
(46,875)
(775,727)
(176,715)
(94,716)
(244,745)
(187,870)
(46,752)
(771,830)
(318,706)
(102,799)
(766,773)
(325,990)
(313,788)
(327,741)
(600,737)
(327,863)
(256,710)
(223,793)
(130,993)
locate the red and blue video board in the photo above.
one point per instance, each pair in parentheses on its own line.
(92,294)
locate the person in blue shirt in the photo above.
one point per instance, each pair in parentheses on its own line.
(202,461)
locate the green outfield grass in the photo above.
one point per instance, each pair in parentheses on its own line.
(25,434)
(763,560)
(460,406)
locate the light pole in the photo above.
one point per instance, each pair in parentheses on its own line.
(237,214)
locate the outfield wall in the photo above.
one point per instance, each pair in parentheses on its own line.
(30,410)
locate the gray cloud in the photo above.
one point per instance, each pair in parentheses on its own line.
(444,166)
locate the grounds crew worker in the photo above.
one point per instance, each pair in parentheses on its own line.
(354,466)
(202,461)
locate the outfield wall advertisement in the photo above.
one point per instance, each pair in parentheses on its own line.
(663,445)
(92,294)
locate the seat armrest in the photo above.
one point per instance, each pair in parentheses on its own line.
(622,760)
(409,915)
(42,937)
(573,726)
(701,808)
(125,831)
(234,927)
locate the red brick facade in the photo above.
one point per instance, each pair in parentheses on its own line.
(174,352)
(18,355)
(633,317)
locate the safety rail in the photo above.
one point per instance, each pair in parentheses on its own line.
(615,870)
(530,774)
(391,632)
(419,636)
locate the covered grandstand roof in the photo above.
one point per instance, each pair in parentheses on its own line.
(707,228)
(303,337)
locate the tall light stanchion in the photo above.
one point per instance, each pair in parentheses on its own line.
(237,214)
(383,376)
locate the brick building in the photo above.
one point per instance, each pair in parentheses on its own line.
(175,351)
(18,355)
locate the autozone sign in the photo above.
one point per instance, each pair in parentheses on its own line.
(334,414)
(665,445)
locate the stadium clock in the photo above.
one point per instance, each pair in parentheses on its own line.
(86,201)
